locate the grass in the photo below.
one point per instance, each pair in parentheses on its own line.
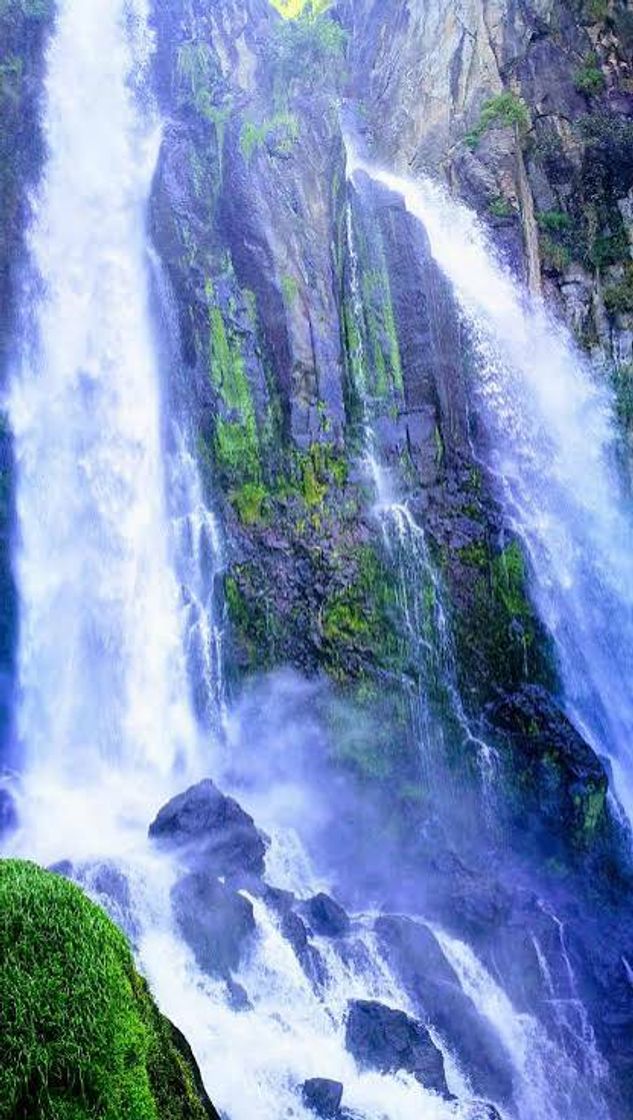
(80,1037)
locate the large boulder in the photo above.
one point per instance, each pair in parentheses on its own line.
(215,921)
(323,1097)
(212,828)
(387,1040)
(325,916)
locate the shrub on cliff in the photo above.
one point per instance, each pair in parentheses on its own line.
(80,1036)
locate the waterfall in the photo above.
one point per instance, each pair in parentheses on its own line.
(102,677)
(554,456)
(119,652)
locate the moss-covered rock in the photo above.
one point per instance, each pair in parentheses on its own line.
(80,1036)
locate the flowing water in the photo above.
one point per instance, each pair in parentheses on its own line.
(554,455)
(115,564)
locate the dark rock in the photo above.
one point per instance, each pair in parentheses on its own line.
(214,920)
(386,1040)
(294,931)
(107,879)
(214,829)
(416,956)
(325,916)
(238,996)
(322,1096)
(8,813)
(63,867)
(561,780)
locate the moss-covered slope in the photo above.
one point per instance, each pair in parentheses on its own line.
(80,1036)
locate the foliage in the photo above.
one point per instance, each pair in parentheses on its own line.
(618,298)
(80,1036)
(236,440)
(290,9)
(280,132)
(506,110)
(308,48)
(500,207)
(589,79)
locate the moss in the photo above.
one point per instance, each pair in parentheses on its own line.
(290,289)
(506,110)
(307,48)
(249,501)
(279,133)
(589,79)
(618,297)
(554,255)
(363,616)
(500,207)
(80,1034)
(258,629)
(236,439)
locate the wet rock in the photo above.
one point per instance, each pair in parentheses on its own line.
(237,996)
(212,828)
(562,782)
(386,1040)
(63,867)
(8,813)
(415,955)
(323,1096)
(215,921)
(325,916)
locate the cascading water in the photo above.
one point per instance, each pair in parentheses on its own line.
(102,680)
(554,454)
(105,718)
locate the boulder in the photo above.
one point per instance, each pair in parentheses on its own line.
(325,916)
(387,1040)
(322,1096)
(215,921)
(220,836)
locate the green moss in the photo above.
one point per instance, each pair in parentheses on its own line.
(364,616)
(236,439)
(249,502)
(618,297)
(501,208)
(279,133)
(589,78)
(80,1034)
(290,289)
(307,49)
(506,110)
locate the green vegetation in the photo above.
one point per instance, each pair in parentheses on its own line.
(506,110)
(279,133)
(501,208)
(290,9)
(236,439)
(81,1037)
(308,48)
(363,615)
(618,297)
(589,78)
